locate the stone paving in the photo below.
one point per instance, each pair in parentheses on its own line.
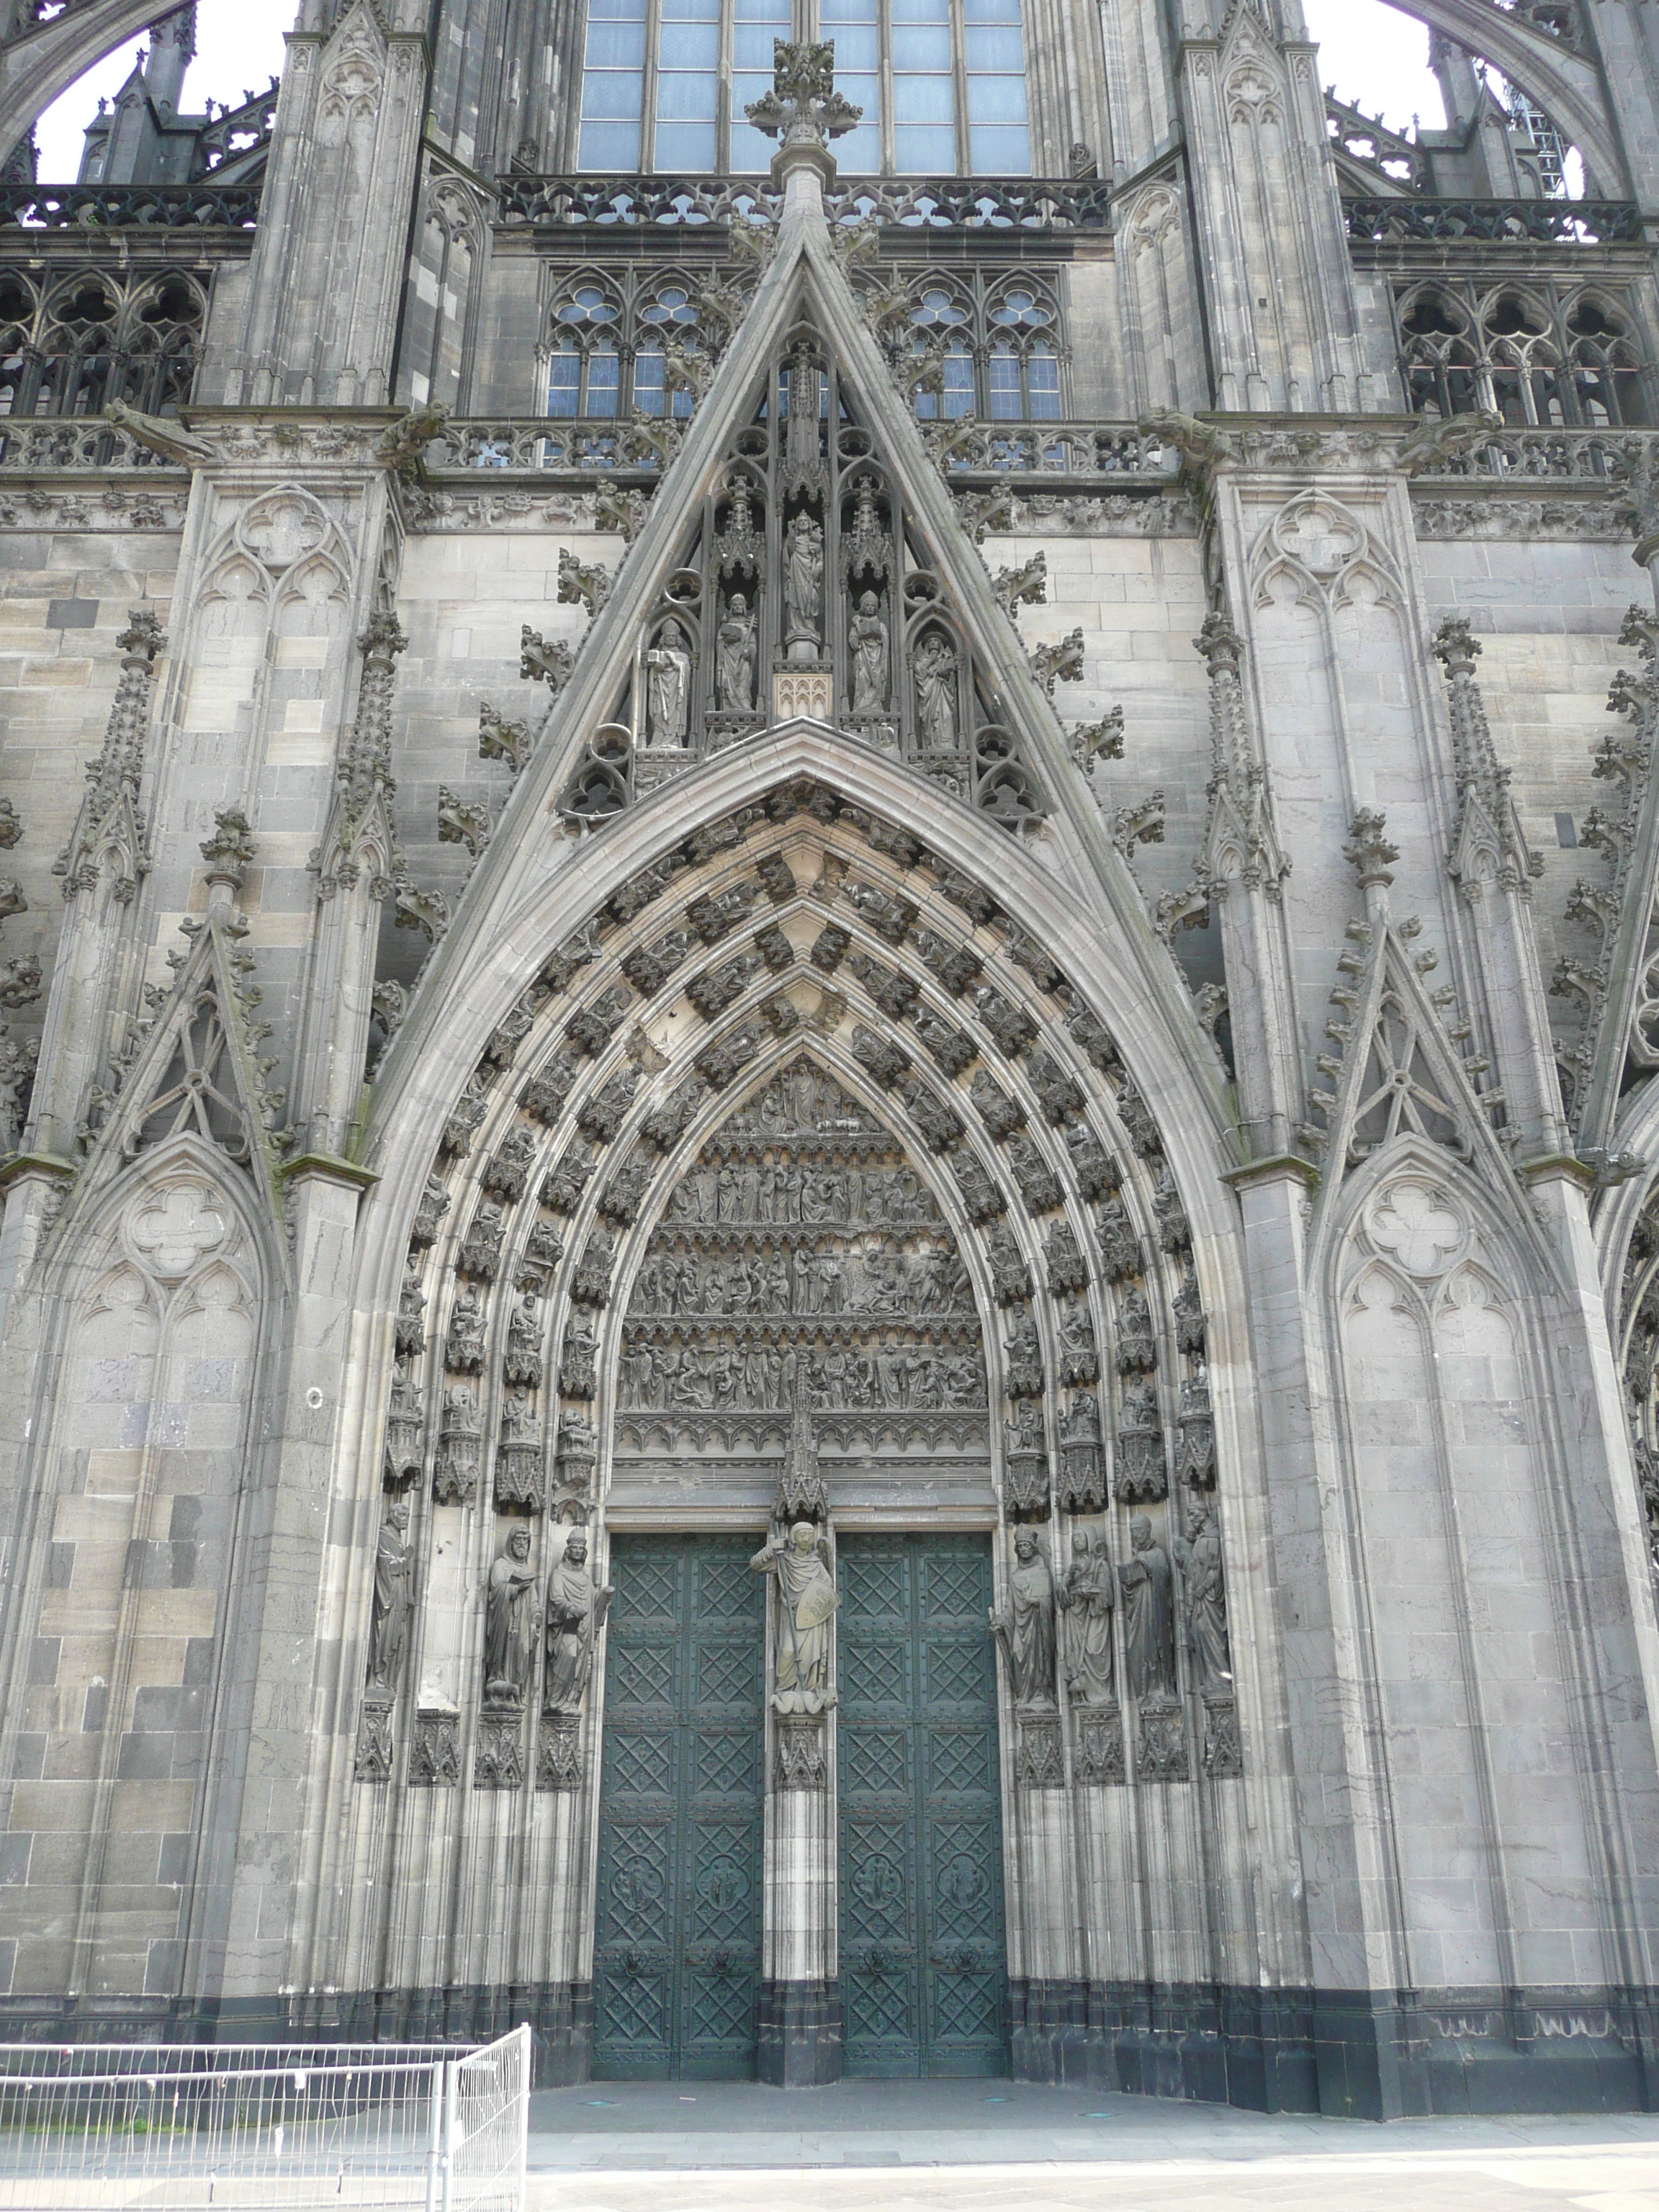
(923,2146)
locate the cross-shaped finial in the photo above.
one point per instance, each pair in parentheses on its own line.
(803,104)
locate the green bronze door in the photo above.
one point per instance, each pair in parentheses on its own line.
(678,1938)
(923,1961)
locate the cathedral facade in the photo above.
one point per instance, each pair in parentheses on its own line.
(831,980)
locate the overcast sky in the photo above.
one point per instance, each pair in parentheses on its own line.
(1375,57)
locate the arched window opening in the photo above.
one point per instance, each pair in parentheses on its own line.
(79,350)
(584,371)
(1542,356)
(17,313)
(997,342)
(1439,359)
(1606,364)
(668,318)
(162,336)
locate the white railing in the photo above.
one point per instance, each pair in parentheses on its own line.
(487,2122)
(263,2126)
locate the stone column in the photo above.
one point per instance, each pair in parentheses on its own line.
(274,1677)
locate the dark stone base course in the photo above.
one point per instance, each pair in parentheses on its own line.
(560,2016)
(1350,2055)
(799,2034)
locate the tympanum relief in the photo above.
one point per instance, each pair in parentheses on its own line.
(802,1261)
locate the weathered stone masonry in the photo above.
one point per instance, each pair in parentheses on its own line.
(829,1228)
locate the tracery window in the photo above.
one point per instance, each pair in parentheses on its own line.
(997,339)
(942,84)
(71,342)
(1544,355)
(609,341)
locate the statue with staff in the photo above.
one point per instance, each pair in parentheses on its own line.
(803,1567)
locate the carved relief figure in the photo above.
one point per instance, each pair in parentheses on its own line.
(575,1614)
(1088,1596)
(1148,1614)
(734,659)
(867,635)
(507,1658)
(1205,1591)
(668,687)
(801,1561)
(803,579)
(1025,1628)
(935,671)
(389,1626)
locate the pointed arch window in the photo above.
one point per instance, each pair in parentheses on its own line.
(1544,355)
(608,341)
(997,339)
(942,84)
(1024,367)
(666,319)
(585,372)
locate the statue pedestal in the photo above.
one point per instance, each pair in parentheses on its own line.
(657,764)
(799,2021)
(803,691)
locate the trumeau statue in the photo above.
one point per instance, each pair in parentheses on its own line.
(803,1567)
(1088,1596)
(507,1657)
(575,1613)
(734,659)
(1149,1615)
(389,1628)
(1025,1628)
(668,687)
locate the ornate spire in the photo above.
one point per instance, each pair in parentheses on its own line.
(364,767)
(802,1495)
(108,829)
(1485,810)
(363,783)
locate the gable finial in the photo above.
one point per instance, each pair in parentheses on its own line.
(803,111)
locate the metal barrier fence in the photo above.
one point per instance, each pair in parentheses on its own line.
(239,2128)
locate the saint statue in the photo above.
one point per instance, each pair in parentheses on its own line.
(575,1614)
(806,1602)
(668,687)
(734,657)
(803,578)
(1147,1585)
(935,669)
(389,1626)
(512,1578)
(867,635)
(1025,1629)
(1204,1587)
(1088,1596)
